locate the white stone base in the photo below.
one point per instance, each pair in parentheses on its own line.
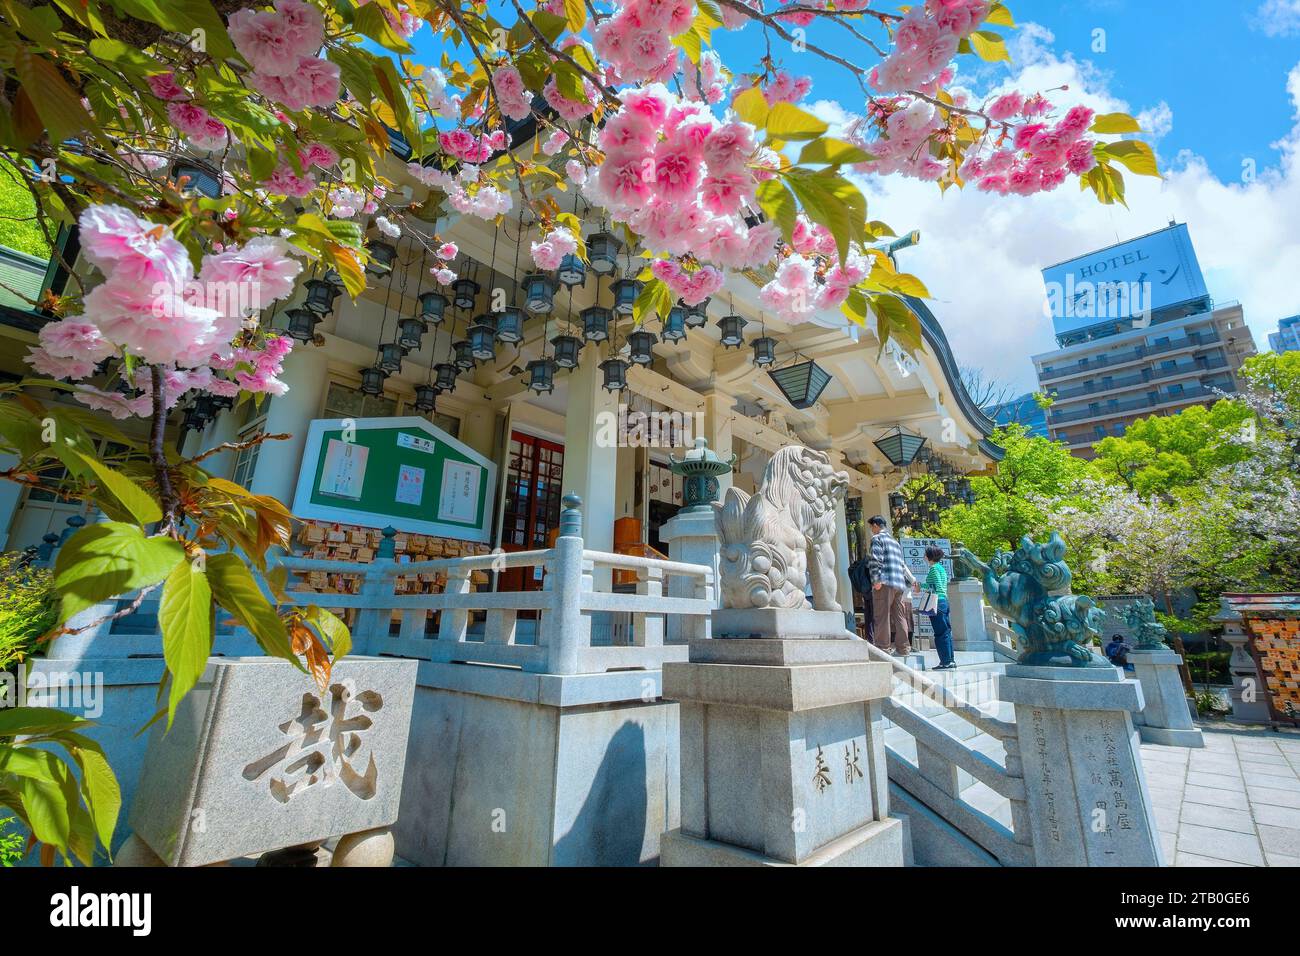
(1165,718)
(878,843)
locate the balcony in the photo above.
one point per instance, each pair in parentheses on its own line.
(1193,340)
(1128,381)
(1112,409)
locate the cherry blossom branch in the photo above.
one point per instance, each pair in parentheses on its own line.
(238,446)
(157,451)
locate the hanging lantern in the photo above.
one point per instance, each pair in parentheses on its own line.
(510,324)
(223,402)
(925,453)
(897,501)
(674,329)
(951,487)
(595,323)
(204,408)
(539,293)
(390,357)
(615,372)
(426,397)
(899,446)
(372,380)
(541,375)
(764,351)
(464,354)
(382,255)
(602,252)
(625,295)
(729,327)
(566,350)
(572,270)
(697,316)
(433,307)
(410,334)
(191,422)
(445,375)
(801,384)
(963,487)
(463,293)
(302,324)
(321,294)
(641,347)
(482,338)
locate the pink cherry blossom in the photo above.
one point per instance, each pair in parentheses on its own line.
(165,87)
(119,243)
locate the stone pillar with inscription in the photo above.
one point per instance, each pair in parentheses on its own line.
(1086,791)
(782,745)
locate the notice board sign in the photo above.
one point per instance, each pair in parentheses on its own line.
(914,558)
(402,472)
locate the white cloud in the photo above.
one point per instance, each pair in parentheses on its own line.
(1158,121)
(1278,18)
(981,256)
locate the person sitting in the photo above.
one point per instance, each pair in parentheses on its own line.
(1116,651)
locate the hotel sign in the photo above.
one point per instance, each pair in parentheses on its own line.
(1126,281)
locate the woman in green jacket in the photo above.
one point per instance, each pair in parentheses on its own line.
(936,582)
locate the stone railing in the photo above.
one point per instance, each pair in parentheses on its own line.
(936,776)
(1000,632)
(485,627)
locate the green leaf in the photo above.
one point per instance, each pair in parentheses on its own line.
(827,149)
(1138,156)
(105,560)
(372,21)
(575,15)
(785,122)
(141,505)
(99,787)
(751,106)
(185,617)
(29,721)
(989,46)
(332,630)
(1000,16)
(569,82)
(235,590)
(55,101)
(778,205)
(1115,123)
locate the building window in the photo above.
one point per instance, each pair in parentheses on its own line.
(1169,365)
(448,423)
(246,460)
(1099,431)
(344,401)
(1175,390)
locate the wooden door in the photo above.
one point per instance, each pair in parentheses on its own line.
(531,508)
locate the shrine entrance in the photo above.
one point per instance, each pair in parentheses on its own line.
(531,508)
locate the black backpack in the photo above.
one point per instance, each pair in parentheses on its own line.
(860,576)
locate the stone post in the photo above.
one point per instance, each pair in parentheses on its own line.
(568,629)
(1087,797)
(1166,718)
(1247,693)
(966,612)
(692,538)
(782,746)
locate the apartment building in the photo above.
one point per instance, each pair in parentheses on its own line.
(1287,336)
(1139,335)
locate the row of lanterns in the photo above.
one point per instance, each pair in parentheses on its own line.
(945,486)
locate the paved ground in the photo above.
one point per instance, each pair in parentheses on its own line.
(1234,803)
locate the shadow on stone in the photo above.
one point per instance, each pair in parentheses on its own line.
(611,824)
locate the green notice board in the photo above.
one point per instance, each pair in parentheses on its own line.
(402,472)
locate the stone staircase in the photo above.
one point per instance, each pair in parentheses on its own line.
(954,817)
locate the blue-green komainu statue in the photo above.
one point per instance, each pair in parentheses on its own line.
(1032,588)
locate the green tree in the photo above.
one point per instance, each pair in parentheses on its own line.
(1007,500)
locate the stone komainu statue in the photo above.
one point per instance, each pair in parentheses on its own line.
(1032,588)
(783,538)
(1148,633)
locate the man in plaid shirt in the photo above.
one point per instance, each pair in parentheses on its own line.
(891,580)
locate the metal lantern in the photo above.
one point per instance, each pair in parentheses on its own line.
(951,486)
(372,380)
(595,323)
(674,329)
(541,375)
(463,293)
(390,357)
(897,502)
(321,294)
(382,255)
(539,293)
(464,354)
(801,384)
(483,338)
(566,350)
(764,351)
(924,454)
(697,316)
(433,307)
(641,347)
(510,324)
(445,375)
(699,470)
(204,409)
(426,397)
(615,372)
(410,334)
(602,252)
(899,446)
(729,326)
(572,271)
(201,178)
(191,422)
(625,295)
(302,324)
(223,402)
